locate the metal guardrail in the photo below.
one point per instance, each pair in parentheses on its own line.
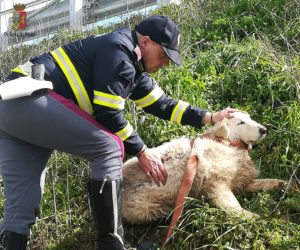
(52,16)
(55,15)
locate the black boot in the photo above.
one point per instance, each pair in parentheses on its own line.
(106,202)
(12,241)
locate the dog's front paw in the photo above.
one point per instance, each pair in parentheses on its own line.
(249,215)
(244,214)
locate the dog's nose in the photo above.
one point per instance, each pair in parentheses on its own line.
(262,130)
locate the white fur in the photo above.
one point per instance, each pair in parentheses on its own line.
(221,170)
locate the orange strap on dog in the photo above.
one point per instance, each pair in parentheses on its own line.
(184,189)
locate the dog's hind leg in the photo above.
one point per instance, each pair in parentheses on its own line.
(265,185)
(222,196)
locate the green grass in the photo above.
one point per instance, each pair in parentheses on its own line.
(242,54)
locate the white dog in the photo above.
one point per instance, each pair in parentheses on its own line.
(222,170)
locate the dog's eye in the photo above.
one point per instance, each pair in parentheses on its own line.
(241,123)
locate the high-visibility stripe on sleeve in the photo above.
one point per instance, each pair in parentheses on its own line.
(73,78)
(108,100)
(19,70)
(178,111)
(125,132)
(149,99)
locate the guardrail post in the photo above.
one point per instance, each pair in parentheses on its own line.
(76,14)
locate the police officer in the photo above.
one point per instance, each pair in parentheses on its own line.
(83,116)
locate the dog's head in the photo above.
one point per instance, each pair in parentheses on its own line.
(240,128)
(243,128)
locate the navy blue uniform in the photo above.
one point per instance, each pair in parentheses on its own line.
(108,65)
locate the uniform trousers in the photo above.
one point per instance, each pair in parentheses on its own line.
(30,129)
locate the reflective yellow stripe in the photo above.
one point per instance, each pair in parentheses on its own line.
(19,70)
(73,78)
(149,99)
(125,132)
(178,111)
(108,100)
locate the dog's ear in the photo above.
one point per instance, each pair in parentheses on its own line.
(221,129)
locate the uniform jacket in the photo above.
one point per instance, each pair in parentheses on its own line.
(100,72)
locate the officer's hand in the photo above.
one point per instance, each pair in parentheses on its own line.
(153,167)
(225,113)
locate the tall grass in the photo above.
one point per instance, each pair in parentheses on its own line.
(242,54)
